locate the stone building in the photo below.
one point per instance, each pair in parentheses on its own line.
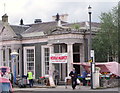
(36,42)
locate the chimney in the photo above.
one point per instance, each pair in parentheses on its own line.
(62,17)
(5,18)
(37,21)
(58,19)
(21,22)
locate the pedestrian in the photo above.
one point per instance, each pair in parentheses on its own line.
(30,78)
(84,75)
(56,77)
(73,75)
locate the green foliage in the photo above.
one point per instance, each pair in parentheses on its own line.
(118,31)
(76,26)
(105,42)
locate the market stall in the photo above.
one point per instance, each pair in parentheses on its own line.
(112,67)
(4,70)
(109,72)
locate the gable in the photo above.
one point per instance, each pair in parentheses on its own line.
(6,31)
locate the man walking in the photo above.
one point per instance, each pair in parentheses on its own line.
(30,78)
(73,75)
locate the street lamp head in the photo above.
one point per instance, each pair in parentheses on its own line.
(89,9)
(14,53)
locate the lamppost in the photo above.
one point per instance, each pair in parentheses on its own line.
(14,55)
(90,45)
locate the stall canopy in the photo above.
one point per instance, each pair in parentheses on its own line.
(4,69)
(112,67)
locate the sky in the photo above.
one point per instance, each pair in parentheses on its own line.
(77,10)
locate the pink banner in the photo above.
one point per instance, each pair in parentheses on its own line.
(58,58)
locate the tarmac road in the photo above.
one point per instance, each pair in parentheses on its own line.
(62,89)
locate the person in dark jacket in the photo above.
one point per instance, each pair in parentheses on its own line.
(74,76)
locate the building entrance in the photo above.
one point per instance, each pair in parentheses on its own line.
(76,56)
(62,70)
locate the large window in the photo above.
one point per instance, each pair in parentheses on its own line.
(60,48)
(10,63)
(9,54)
(29,59)
(4,55)
(76,52)
(4,58)
(46,53)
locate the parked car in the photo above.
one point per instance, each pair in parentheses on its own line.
(5,85)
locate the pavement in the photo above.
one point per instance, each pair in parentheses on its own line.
(61,88)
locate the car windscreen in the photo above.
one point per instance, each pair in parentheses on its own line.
(5,87)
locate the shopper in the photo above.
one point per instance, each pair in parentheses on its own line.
(73,75)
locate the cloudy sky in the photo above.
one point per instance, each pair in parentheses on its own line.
(29,10)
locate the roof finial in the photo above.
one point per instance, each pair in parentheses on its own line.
(57,17)
(21,22)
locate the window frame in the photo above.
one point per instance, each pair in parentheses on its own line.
(25,59)
(43,59)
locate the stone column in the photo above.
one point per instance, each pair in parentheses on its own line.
(7,56)
(1,56)
(70,57)
(82,53)
(51,67)
(12,62)
(17,63)
(20,61)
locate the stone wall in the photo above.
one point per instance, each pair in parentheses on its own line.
(109,83)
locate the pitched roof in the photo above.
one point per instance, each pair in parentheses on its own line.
(19,29)
(48,28)
(42,27)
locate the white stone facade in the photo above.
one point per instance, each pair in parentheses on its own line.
(34,51)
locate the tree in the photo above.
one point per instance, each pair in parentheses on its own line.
(119,32)
(105,42)
(76,26)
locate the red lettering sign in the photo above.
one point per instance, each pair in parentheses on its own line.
(58,58)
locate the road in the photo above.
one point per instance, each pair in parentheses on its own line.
(62,89)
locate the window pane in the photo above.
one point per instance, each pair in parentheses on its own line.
(30,59)
(3,55)
(56,48)
(60,48)
(46,58)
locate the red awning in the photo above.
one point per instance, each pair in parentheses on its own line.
(113,67)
